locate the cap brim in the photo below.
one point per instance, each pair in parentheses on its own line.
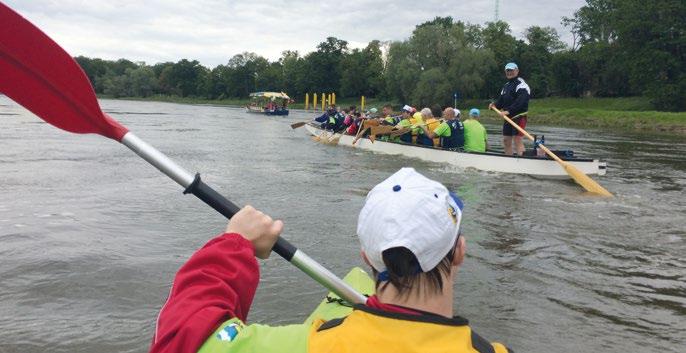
(457,200)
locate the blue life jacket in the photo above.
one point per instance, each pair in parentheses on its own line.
(422,139)
(322,118)
(406,137)
(456,138)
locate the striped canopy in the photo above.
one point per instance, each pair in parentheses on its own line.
(272,95)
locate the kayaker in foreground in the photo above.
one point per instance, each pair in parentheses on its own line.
(409,230)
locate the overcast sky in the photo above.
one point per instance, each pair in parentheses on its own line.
(212,31)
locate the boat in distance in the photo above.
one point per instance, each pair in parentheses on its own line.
(268,103)
(543,167)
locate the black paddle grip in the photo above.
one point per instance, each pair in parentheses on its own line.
(227,208)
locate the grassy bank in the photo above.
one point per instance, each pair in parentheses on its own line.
(633,113)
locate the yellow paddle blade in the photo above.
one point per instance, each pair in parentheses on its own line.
(370,123)
(300,124)
(399,132)
(333,140)
(585,181)
(381,130)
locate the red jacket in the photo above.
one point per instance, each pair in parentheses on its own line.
(217,283)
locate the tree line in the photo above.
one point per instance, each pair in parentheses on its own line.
(620,48)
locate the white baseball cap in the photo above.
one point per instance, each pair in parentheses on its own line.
(457,112)
(412,211)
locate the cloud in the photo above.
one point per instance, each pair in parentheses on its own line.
(212,31)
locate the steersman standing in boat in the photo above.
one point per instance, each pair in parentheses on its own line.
(513,102)
(409,230)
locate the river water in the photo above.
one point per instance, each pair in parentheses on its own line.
(91,235)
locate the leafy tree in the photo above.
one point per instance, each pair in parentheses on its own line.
(323,66)
(292,66)
(565,76)
(444,22)
(142,81)
(634,47)
(362,72)
(468,71)
(402,70)
(213,87)
(536,56)
(270,77)
(602,71)
(652,41)
(119,67)
(474,36)
(353,74)
(439,46)
(498,39)
(183,78)
(244,74)
(594,22)
(432,87)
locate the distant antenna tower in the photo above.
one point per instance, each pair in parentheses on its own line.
(497,10)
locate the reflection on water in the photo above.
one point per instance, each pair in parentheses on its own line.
(90,235)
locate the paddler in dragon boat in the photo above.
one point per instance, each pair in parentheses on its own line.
(387,117)
(408,122)
(409,231)
(475,136)
(431,124)
(354,122)
(331,120)
(450,131)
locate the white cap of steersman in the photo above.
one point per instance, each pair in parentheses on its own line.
(412,211)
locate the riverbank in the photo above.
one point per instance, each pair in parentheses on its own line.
(630,114)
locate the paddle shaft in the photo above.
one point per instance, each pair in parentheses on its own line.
(525,133)
(194,185)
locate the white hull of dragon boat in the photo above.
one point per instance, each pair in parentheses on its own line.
(492,162)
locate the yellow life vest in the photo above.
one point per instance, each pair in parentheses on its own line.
(371,330)
(416,120)
(431,125)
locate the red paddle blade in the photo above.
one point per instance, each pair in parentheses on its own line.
(38,74)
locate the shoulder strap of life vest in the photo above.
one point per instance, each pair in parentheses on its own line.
(481,344)
(330,324)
